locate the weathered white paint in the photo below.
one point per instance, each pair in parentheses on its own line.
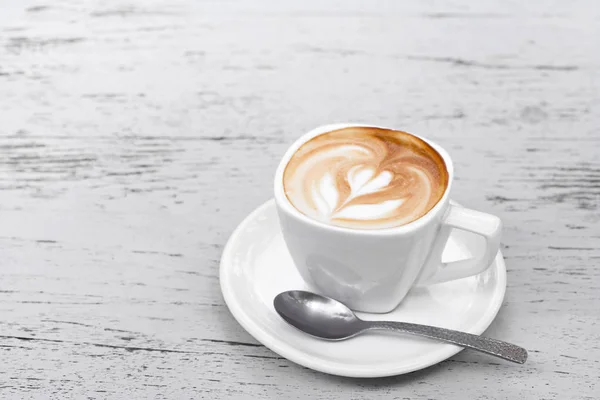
(135,135)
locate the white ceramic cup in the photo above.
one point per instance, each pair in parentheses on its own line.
(373,270)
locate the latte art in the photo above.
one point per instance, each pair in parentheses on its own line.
(366,178)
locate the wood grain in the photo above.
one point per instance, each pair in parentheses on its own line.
(134,136)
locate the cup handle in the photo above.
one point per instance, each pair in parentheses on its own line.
(486,225)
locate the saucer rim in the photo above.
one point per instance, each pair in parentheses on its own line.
(281,347)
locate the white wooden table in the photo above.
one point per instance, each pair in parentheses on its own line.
(135,135)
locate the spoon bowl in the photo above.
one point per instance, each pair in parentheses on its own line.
(318,315)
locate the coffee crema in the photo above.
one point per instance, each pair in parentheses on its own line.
(365,178)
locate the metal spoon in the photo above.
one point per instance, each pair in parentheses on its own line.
(329,319)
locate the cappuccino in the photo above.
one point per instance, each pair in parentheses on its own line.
(365,178)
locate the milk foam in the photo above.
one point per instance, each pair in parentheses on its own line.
(365,178)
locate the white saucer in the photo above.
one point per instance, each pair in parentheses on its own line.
(256,266)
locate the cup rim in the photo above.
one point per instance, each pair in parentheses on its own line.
(284,203)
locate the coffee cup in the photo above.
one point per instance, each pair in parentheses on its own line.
(372,266)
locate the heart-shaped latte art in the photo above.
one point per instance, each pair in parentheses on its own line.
(365,177)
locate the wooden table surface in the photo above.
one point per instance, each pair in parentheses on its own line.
(135,136)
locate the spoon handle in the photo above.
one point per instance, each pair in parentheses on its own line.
(490,346)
